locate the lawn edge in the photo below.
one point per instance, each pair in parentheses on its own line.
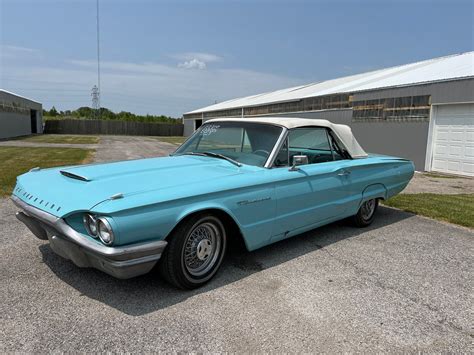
(429,218)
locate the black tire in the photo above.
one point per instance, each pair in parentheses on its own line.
(179,264)
(365,217)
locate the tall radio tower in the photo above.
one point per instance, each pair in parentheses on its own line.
(95,101)
(97,92)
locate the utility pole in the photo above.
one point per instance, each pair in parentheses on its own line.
(98,64)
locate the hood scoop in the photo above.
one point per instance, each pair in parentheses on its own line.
(74,176)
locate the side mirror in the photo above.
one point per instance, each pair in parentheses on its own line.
(299,160)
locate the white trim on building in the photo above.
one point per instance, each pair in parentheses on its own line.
(451,139)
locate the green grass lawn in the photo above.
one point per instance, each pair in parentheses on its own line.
(458,209)
(173,140)
(15,161)
(61,138)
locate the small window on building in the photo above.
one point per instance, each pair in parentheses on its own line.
(406,108)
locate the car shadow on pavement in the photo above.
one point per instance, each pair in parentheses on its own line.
(149,293)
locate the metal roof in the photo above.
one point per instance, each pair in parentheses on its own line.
(451,67)
(19,96)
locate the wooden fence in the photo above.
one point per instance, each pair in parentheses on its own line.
(71,126)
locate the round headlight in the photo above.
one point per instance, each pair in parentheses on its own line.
(104,230)
(90,222)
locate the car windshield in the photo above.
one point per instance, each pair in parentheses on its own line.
(238,142)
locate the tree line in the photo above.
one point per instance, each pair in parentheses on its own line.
(106,114)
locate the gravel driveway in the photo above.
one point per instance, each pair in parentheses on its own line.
(127,147)
(110,148)
(431,183)
(403,284)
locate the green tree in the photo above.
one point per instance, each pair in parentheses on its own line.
(53,112)
(106,114)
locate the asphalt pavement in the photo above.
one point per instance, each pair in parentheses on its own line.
(403,284)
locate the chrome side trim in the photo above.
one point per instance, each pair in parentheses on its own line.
(121,253)
(276,148)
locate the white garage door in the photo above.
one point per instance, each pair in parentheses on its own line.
(453,139)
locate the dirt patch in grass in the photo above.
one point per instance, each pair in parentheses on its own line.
(15,161)
(60,138)
(442,176)
(457,209)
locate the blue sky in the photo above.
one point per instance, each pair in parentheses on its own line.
(170,57)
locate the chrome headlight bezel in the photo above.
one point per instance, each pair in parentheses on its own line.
(90,223)
(105,231)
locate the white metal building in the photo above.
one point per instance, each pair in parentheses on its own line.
(423,111)
(19,116)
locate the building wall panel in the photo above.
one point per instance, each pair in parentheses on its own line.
(405,140)
(188,127)
(14,125)
(18,123)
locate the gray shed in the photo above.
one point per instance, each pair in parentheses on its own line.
(19,116)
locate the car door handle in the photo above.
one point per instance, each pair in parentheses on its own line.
(343,173)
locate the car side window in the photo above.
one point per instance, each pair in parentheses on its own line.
(317,143)
(312,142)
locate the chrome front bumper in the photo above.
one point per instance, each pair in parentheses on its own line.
(122,261)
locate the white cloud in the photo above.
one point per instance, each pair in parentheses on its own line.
(17,49)
(193,64)
(7,51)
(200,56)
(195,60)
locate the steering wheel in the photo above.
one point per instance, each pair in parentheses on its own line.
(261,152)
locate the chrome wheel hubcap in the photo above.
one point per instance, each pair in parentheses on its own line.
(368,209)
(202,248)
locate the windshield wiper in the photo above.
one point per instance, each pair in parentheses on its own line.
(215,155)
(222,156)
(193,153)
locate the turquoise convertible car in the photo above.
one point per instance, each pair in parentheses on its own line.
(259,179)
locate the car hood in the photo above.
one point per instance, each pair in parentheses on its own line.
(61,191)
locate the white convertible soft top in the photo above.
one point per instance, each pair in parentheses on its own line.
(343,132)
